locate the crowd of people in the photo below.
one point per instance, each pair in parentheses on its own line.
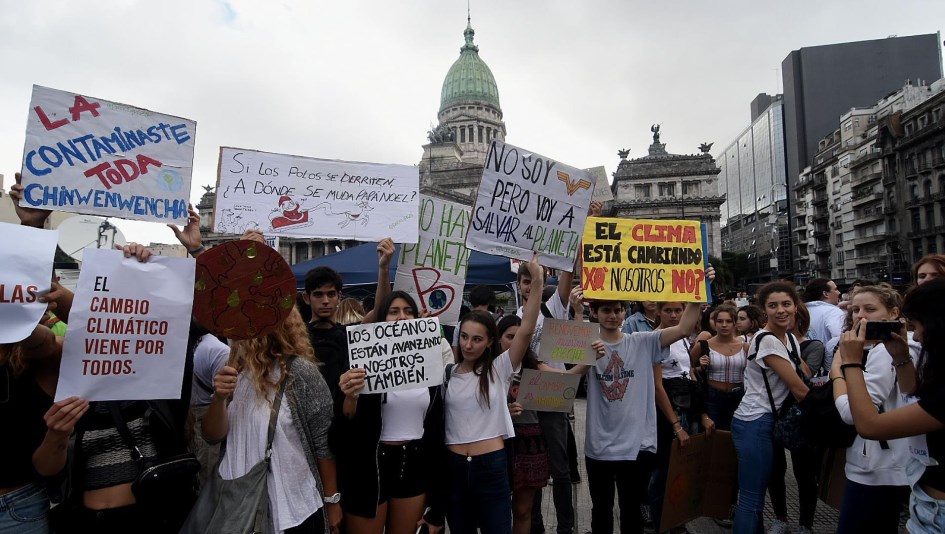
(286,410)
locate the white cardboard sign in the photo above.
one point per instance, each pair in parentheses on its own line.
(397,355)
(128,328)
(25,276)
(296,196)
(433,271)
(529,203)
(93,156)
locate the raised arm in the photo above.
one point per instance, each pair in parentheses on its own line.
(385,251)
(523,337)
(565,280)
(190,236)
(687,323)
(28,216)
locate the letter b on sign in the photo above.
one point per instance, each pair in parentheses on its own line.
(435,297)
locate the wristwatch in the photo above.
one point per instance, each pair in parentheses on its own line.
(334,499)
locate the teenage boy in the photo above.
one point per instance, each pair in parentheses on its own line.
(323,294)
(620,443)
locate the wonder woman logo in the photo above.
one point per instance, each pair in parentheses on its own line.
(572,186)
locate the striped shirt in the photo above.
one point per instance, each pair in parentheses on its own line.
(727,369)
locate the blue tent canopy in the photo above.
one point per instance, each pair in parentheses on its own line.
(358,266)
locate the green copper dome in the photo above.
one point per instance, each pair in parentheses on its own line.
(469,79)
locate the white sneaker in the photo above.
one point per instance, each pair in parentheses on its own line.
(803,530)
(778,527)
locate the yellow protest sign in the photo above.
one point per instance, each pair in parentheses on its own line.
(644,259)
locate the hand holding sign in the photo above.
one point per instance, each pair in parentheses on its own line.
(352,382)
(35,217)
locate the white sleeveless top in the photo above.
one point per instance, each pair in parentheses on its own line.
(468,417)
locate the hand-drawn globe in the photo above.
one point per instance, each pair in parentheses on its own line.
(243,289)
(169,180)
(438,299)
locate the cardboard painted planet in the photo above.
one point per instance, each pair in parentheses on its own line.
(242,290)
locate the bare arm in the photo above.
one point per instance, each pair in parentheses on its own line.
(523,337)
(50,457)
(215,424)
(785,371)
(385,250)
(687,323)
(666,407)
(328,472)
(898,348)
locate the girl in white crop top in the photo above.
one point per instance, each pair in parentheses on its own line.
(724,367)
(478,420)
(403,431)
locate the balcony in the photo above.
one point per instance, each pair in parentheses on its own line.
(915,202)
(820,200)
(821,232)
(929,230)
(866,198)
(822,250)
(863,158)
(924,166)
(889,180)
(867,178)
(862,240)
(910,171)
(938,161)
(820,181)
(866,218)
(865,260)
(821,215)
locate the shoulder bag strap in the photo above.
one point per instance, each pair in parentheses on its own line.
(545,310)
(764,373)
(276,405)
(123,430)
(704,346)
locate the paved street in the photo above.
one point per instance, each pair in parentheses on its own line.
(825,519)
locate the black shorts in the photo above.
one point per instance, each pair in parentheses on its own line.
(401,470)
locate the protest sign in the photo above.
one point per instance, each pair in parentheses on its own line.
(547,391)
(284,195)
(26,274)
(397,355)
(528,203)
(602,192)
(243,290)
(92,156)
(701,480)
(643,259)
(568,341)
(128,328)
(433,271)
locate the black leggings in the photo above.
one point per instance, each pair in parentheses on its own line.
(806,466)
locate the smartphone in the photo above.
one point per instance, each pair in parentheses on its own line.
(882,330)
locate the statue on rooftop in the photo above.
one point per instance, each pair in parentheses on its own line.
(706,147)
(656,133)
(623,153)
(440,134)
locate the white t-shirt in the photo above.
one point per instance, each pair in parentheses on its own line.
(402,414)
(558,311)
(621,398)
(468,417)
(677,364)
(756,403)
(210,355)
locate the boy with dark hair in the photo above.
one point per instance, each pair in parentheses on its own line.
(622,387)
(323,294)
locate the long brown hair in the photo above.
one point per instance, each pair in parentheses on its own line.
(256,356)
(482,367)
(11,355)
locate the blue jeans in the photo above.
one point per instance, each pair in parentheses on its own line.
(927,515)
(870,508)
(755,449)
(480,494)
(25,511)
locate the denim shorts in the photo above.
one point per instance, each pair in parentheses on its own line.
(25,510)
(927,515)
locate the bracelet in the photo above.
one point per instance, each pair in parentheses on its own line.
(844,367)
(676,432)
(197,250)
(907,361)
(837,378)
(676,422)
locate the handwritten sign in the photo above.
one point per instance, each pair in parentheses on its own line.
(547,391)
(92,156)
(643,259)
(127,340)
(433,271)
(602,192)
(568,341)
(701,480)
(397,355)
(26,274)
(285,195)
(528,203)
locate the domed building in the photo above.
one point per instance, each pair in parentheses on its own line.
(470,118)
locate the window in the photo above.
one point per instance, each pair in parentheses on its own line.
(930,217)
(462,135)
(643,191)
(933,246)
(916,221)
(917,250)
(667,190)
(690,188)
(839,257)
(927,186)
(480,134)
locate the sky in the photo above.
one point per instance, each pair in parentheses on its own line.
(360,79)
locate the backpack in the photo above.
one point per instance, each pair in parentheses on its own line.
(813,423)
